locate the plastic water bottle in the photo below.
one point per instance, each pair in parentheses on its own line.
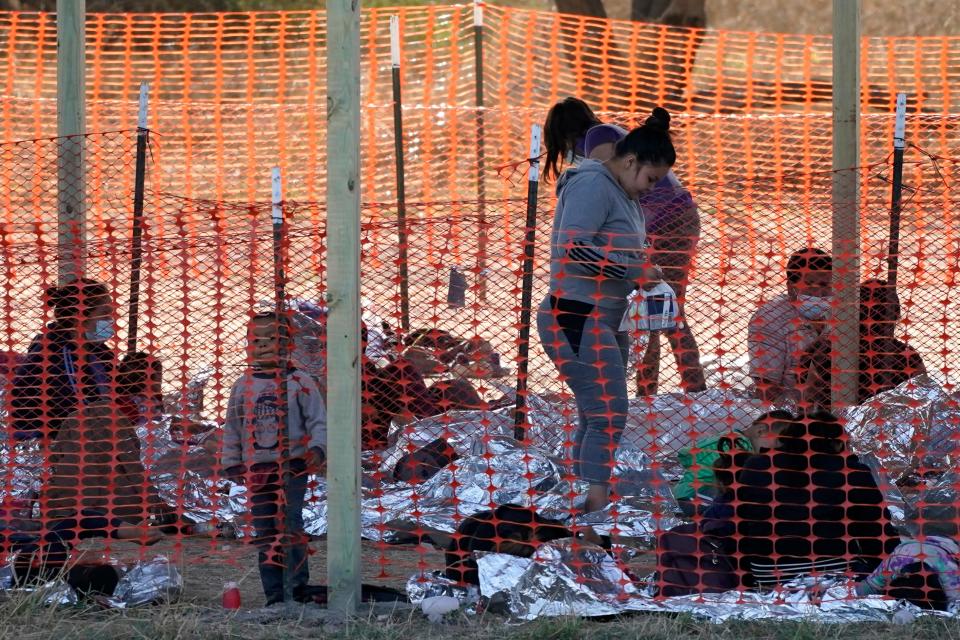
(231,595)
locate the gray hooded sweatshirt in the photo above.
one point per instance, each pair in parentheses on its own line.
(251,434)
(597,248)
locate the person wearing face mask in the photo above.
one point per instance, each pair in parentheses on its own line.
(782,329)
(68,364)
(597,259)
(884,361)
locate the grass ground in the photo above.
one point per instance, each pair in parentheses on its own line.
(207,564)
(24,620)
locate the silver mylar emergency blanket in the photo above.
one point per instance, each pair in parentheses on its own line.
(563,579)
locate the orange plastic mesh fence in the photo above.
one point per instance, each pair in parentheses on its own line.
(437,404)
(235,92)
(182,438)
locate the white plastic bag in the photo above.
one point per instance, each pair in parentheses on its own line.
(652,310)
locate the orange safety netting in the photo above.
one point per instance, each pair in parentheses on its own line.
(234,93)
(93,452)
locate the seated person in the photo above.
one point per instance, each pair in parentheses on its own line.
(784,328)
(95,468)
(925,569)
(510,528)
(396,390)
(140,399)
(885,362)
(702,483)
(434,351)
(138,379)
(806,506)
(41,559)
(97,488)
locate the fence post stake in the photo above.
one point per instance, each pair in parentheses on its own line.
(71,127)
(343,324)
(136,249)
(526,297)
(846,197)
(402,258)
(481,152)
(899,144)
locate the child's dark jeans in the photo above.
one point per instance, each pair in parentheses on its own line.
(265,496)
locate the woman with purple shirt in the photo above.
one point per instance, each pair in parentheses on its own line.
(673,230)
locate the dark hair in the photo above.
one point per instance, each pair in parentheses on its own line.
(482,531)
(809,259)
(281,319)
(74,301)
(878,303)
(134,372)
(567,121)
(650,143)
(816,431)
(733,456)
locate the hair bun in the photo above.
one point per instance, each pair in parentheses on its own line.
(659,118)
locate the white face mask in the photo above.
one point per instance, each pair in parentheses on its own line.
(813,307)
(102,331)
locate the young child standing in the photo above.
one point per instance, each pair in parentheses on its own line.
(252,444)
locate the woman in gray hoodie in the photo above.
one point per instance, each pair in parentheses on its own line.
(597,258)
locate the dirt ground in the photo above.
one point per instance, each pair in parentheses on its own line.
(207,564)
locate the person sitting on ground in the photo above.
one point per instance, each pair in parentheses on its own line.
(782,329)
(97,488)
(252,452)
(395,390)
(435,351)
(925,569)
(67,365)
(885,362)
(703,461)
(806,506)
(510,529)
(140,399)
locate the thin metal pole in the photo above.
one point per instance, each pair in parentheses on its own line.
(402,235)
(283,409)
(343,323)
(526,298)
(136,249)
(846,197)
(481,152)
(899,144)
(71,127)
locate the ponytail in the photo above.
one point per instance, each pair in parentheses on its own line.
(567,121)
(651,142)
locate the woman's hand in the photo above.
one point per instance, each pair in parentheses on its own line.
(652,275)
